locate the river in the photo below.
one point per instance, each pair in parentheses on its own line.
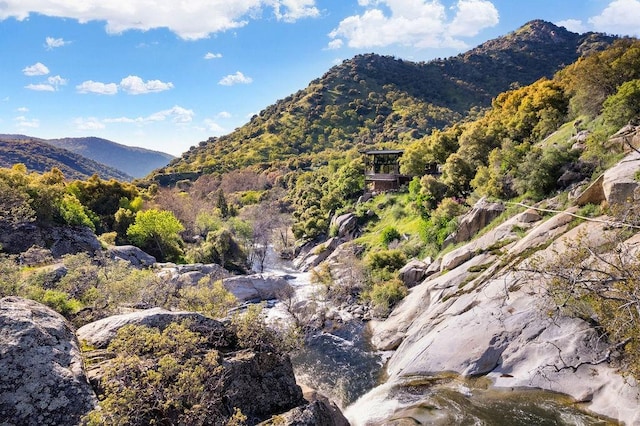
(341,364)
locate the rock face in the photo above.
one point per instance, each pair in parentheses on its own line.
(260,384)
(42,380)
(482,213)
(346,225)
(480,318)
(255,287)
(60,240)
(131,254)
(100,333)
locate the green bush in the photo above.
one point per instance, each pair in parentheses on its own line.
(388,235)
(208,297)
(385,295)
(157,232)
(161,377)
(390,260)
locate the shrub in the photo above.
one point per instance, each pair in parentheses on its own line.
(161,377)
(390,260)
(209,297)
(385,295)
(388,235)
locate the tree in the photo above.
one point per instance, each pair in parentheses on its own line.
(157,231)
(624,106)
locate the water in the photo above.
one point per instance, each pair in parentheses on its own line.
(340,364)
(456,401)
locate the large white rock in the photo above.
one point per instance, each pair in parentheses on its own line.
(255,287)
(497,323)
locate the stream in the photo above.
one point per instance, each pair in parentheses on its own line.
(341,364)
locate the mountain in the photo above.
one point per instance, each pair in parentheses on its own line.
(40,156)
(373,100)
(134,161)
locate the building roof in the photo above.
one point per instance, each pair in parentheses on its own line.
(385,151)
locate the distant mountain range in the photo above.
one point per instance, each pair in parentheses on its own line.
(379,101)
(111,159)
(40,157)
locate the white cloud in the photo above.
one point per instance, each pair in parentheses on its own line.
(24,122)
(134,85)
(194,19)
(472,17)
(90,123)
(210,55)
(417,23)
(51,43)
(223,115)
(56,81)
(573,25)
(23,109)
(177,114)
(35,70)
(52,84)
(619,17)
(335,44)
(42,87)
(292,10)
(97,87)
(237,78)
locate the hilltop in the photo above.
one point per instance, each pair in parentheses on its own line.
(373,100)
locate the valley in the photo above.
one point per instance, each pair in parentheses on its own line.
(266,277)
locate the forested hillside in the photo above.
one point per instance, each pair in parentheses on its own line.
(373,100)
(128,160)
(40,156)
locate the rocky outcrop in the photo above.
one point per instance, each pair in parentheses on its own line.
(260,384)
(319,411)
(99,334)
(482,213)
(619,183)
(59,240)
(189,275)
(413,272)
(316,255)
(617,186)
(480,318)
(346,226)
(256,287)
(42,380)
(132,254)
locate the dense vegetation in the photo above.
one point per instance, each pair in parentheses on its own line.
(372,100)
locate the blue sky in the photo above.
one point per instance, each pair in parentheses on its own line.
(164,75)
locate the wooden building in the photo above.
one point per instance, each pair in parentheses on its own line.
(382,170)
